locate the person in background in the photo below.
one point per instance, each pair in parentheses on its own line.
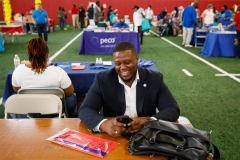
(40,19)
(64,17)
(137,21)
(31,27)
(75,17)
(60,17)
(37,74)
(149,16)
(217,17)
(208,16)
(102,11)
(97,12)
(31,10)
(24,25)
(180,9)
(162,15)
(189,22)
(110,11)
(13,17)
(90,13)
(175,21)
(236,22)
(129,90)
(232,10)
(82,16)
(121,25)
(101,22)
(226,16)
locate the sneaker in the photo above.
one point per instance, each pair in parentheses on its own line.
(183,43)
(145,34)
(180,35)
(149,33)
(188,45)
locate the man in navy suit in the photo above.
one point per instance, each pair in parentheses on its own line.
(127,90)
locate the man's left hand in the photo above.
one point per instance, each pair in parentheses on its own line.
(136,125)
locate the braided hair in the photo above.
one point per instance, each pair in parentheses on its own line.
(38,54)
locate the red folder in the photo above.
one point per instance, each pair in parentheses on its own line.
(78,67)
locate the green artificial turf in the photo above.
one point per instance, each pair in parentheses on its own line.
(209,102)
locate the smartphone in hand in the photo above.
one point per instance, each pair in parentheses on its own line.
(124,119)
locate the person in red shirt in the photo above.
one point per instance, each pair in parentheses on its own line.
(236,22)
(12,17)
(75,18)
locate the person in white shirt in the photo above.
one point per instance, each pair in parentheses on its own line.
(149,17)
(208,16)
(137,21)
(37,74)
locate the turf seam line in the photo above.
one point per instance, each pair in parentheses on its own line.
(227,75)
(203,60)
(187,72)
(64,47)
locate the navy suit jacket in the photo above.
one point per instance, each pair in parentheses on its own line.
(108,94)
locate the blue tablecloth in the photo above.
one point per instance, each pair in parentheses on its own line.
(81,79)
(104,42)
(219,44)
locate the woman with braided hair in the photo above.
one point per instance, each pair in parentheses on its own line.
(37,74)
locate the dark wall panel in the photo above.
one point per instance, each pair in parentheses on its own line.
(124,6)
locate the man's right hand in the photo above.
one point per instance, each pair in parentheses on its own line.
(112,127)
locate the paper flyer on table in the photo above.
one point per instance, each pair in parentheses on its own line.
(82,142)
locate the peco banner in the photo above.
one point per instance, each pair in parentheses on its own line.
(104,42)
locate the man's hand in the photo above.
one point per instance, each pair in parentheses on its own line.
(136,125)
(112,127)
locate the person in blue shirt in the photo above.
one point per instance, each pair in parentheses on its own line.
(121,25)
(40,19)
(189,21)
(226,16)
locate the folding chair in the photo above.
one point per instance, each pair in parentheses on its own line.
(200,34)
(33,103)
(56,91)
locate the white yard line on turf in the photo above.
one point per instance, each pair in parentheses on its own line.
(187,72)
(64,47)
(221,75)
(201,59)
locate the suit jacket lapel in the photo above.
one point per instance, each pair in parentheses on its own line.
(141,90)
(119,89)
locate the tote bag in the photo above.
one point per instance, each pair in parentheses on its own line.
(145,25)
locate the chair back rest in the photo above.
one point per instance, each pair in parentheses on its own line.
(33,103)
(56,91)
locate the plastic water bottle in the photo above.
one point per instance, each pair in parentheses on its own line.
(100,61)
(16,61)
(97,61)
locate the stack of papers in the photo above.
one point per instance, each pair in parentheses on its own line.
(107,63)
(75,64)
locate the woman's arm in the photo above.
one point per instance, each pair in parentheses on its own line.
(68,91)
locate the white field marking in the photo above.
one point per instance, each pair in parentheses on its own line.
(203,60)
(187,72)
(226,75)
(64,47)
(0,100)
(154,33)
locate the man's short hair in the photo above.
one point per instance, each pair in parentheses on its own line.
(123,46)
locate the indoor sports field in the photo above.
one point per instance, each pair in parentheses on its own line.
(210,98)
